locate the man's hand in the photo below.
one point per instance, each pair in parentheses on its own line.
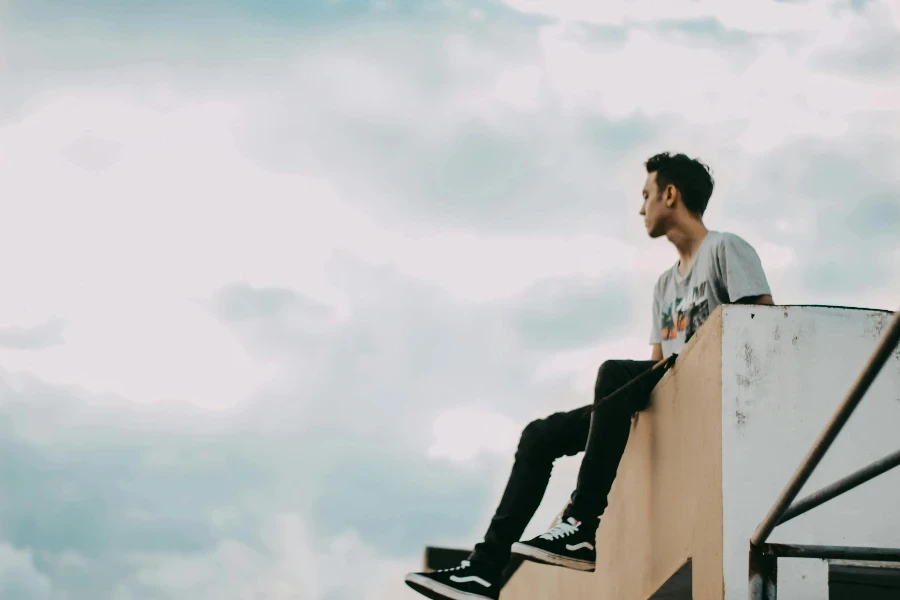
(664,362)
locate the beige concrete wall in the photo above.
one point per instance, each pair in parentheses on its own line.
(666,504)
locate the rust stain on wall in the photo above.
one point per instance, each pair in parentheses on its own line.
(741,419)
(752,373)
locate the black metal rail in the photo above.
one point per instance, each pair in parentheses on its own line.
(832,552)
(837,488)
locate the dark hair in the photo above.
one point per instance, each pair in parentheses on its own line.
(690,176)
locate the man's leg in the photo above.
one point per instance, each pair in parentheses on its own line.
(608,435)
(622,389)
(542,442)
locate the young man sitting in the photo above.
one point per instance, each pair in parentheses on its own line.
(713,268)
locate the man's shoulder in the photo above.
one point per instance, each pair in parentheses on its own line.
(722,237)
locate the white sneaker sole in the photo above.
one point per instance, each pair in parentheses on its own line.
(417,582)
(548,558)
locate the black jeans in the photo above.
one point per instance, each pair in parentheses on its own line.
(601,433)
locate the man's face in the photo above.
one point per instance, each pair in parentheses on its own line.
(654,210)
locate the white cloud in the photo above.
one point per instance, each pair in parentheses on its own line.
(893,12)
(520,87)
(292,564)
(479,267)
(37,336)
(198,510)
(20,578)
(129,266)
(583,364)
(776,97)
(128,253)
(462,433)
(764,16)
(776,257)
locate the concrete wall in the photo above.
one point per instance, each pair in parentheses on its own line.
(785,371)
(665,507)
(728,426)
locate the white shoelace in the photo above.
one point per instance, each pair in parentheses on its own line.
(562,530)
(463,565)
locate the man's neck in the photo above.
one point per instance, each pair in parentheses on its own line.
(687,237)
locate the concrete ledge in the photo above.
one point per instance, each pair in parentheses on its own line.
(653,528)
(726,428)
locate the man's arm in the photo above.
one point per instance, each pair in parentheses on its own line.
(656,354)
(740,270)
(765,299)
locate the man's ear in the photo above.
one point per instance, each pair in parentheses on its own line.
(669,195)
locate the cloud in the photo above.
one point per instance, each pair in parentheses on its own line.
(766,16)
(550,108)
(289,564)
(237,303)
(19,578)
(557,114)
(413,374)
(113,501)
(415,344)
(493,158)
(360,427)
(37,337)
(273,319)
(838,212)
(235,570)
(462,433)
(579,312)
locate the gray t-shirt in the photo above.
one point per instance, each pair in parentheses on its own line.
(726,269)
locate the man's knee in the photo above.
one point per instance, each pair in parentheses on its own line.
(609,378)
(532,434)
(534,442)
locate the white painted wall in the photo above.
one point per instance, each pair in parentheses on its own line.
(784,372)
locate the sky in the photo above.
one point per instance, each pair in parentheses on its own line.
(283,281)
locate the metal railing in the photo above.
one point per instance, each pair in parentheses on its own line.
(763,556)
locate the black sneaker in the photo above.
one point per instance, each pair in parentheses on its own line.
(465,582)
(569,545)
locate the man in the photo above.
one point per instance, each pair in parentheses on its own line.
(712,268)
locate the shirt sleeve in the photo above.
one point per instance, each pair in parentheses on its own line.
(655,333)
(740,269)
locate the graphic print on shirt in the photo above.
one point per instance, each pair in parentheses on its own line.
(681,312)
(685,315)
(699,310)
(667,323)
